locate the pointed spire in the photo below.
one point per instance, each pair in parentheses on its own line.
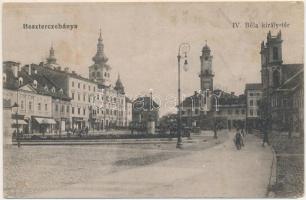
(118,76)
(51,59)
(100,36)
(100,57)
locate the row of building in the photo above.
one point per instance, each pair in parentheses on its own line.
(278,98)
(53,99)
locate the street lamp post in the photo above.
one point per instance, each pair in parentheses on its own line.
(17,128)
(183,49)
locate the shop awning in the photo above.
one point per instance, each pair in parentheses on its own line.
(45,120)
(20,122)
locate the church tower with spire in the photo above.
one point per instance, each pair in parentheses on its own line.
(51,60)
(119,86)
(100,70)
(206,75)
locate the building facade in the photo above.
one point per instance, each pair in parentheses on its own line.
(253,93)
(208,106)
(282,87)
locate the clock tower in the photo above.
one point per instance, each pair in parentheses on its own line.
(206,75)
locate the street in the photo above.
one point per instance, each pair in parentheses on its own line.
(205,168)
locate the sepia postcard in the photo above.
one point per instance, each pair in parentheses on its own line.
(153,99)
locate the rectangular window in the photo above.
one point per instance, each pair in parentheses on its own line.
(84,97)
(79,110)
(63,108)
(72,110)
(94,89)
(79,97)
(251,112)
(242,111)
(79,85)
(251,102)
(237,112)
(46,107)
(89,87)
(72,84)
(84,86)
(30,105)
(56,107)
(39,106)
(84,111)
(72,95)
(67,109)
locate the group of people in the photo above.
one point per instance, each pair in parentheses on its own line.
(238,140)
(79,132)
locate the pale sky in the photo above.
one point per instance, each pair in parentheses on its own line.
(141,40)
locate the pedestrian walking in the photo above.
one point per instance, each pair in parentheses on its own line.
(242,132)
(238,140)
(265,134)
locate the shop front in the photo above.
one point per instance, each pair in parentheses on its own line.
(43,126)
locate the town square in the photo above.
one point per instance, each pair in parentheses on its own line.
(153,100)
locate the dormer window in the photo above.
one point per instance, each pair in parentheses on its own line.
(20,81)
(35,71)
(35,84)
(46,88)
(61,91)
(4,77)
(53,89)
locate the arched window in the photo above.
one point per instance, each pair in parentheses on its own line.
(98,74)
(275,53)
(105,74)
(35,84)
(4,77)
(276,78)
(20,81)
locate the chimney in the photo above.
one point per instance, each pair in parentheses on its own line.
(30,69)
(15,69)
(41,64)
(66,69)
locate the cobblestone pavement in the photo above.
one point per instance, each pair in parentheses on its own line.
(31,170)
(218,171)
(290,165)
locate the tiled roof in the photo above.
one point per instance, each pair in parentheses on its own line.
(128,100)
(293,82)
(253,86)
(288,70)
(144,103)
(44,84)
